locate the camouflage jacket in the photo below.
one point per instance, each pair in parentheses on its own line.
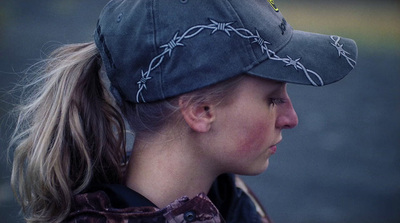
(229,200)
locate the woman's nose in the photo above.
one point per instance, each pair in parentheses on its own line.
(287,117)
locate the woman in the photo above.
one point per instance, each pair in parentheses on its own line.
(202,85)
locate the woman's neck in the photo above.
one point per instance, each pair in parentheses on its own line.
(164,170)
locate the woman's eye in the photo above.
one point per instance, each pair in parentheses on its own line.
(276,101)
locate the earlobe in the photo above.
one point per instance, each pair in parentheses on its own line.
(199,117)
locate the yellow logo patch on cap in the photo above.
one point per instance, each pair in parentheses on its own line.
(273,5)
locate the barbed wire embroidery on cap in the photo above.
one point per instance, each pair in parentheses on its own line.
(341,51)
(227,28)
(297,65)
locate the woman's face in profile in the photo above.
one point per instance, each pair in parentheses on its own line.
(249,128)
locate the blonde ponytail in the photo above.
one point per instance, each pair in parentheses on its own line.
(68,136)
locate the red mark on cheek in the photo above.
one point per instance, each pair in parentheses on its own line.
(252,138)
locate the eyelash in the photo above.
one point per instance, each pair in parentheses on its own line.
(276,101)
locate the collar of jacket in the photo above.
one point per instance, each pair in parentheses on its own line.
(230,203)
(113,203)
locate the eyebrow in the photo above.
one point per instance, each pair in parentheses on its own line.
(279,84)
(277,87)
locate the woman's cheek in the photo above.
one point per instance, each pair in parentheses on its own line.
(253,138)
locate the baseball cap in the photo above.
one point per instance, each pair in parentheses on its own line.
(157,49)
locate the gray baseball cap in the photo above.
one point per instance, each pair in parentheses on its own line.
(157,49)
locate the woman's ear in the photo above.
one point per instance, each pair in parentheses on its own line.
(199,117)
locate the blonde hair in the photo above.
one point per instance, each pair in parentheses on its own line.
(68,135)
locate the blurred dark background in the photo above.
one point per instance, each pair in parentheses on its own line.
(342,162)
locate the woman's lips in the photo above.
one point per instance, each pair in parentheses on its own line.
(272,149)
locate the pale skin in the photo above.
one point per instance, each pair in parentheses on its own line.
(236,137)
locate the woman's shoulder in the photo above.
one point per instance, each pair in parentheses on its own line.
(236,201)
(229,199)
(113,203)
(118,203)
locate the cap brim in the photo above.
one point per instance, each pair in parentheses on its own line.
(309,59)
